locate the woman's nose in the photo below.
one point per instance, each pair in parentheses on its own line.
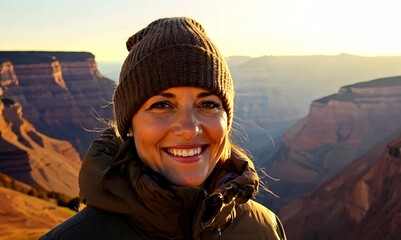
(187,124)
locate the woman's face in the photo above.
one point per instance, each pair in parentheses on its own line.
(181,134)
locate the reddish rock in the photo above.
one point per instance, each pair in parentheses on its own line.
(62,93)
(33,158)
(7,74)
(26,217)
(338,129)
(360,203)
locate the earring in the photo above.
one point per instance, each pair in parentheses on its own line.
(130,135)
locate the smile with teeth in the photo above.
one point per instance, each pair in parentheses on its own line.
(185,152)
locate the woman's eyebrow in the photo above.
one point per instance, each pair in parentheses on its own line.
(167,95)
(204,94)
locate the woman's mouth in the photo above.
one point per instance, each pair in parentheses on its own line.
(187,152)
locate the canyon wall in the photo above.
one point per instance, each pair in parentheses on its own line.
(272,92)
(62,93)
(32,157)
(338,129)
(360,203)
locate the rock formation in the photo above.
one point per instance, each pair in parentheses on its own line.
(33,158)
(363,202)
(62,93)
(272,92)
(338,129)
(306,78)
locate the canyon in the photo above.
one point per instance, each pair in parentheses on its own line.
(360,203)
(338,129)
(62,93)
(32,157)
(337,162)
(49,104)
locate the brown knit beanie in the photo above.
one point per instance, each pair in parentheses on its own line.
(170,52)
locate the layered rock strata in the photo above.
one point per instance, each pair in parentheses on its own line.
(360,203)
(33,158)
(62,93)
(338,129)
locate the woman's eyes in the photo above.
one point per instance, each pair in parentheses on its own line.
(209,105)
(160,105)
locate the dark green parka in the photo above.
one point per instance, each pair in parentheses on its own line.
(134,202)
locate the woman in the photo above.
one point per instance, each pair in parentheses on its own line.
(170,171)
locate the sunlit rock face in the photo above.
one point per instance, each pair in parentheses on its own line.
(303,79)
(360,203)
(26,217)
(272,92)
(338,129)
(32,157)
(62,93)
(7,74)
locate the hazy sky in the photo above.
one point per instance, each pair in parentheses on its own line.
(238,27)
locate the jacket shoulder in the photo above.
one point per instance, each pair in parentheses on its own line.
(254,221)
(91,223)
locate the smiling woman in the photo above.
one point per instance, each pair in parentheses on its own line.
(181,133)
(168,169)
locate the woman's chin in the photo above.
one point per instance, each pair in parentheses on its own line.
(188,181)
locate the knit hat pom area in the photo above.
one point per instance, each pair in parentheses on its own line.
(170,52)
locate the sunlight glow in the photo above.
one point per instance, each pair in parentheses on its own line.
(253,28)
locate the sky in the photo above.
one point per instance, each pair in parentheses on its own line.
(238,27)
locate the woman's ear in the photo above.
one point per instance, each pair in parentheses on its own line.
(130,133)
